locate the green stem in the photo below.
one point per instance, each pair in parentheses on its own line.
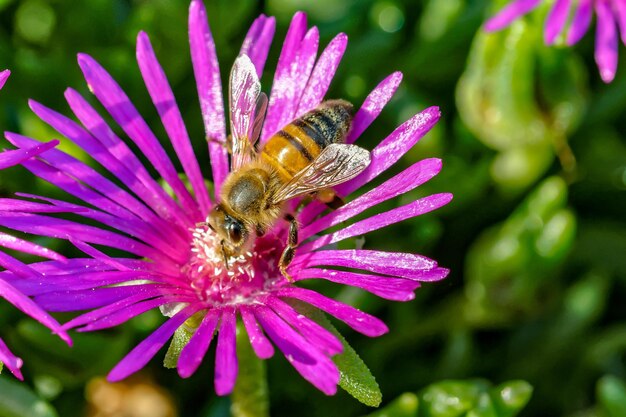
(251,395)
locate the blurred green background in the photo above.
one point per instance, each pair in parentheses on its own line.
(534,150)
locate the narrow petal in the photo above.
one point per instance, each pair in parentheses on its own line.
(373,105)
(12,362)
(144,351)
(122,316)
(378,221)
(323,74)
(358,320)
(64,170)
(226,366)
(407,180)
(260,344)
(30,308)
(4,75)
(83,172)
(580,22)
(138,179)
(99,297)
(12,242)
(393,147)
(165,103)
(207,72)
(283,87)
(555,22)
(194,351)
(258,40)
(108,309)
(14,157)
(117,103)
(619,9)
(383,156)
(315,367)
(65,229)
(509,13)
(395,289)
(313,332)
(606,41)
(396,264)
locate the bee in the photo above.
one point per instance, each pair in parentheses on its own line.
(306,156)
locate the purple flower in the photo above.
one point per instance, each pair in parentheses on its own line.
(575,20)
(174,261)
(18,270)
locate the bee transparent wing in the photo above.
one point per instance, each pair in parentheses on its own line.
(247,111)
(337,163)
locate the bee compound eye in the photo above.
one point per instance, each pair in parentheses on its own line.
(235,232)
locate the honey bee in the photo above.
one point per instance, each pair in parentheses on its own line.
(306,156)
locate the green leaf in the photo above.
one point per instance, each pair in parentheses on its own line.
(406,405)
(511,397)
(356,378)
(179,341)
(611,393)
(250,396)
(451,398)
(17,400)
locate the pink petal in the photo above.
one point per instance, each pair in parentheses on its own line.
(407,180)
(12,362)
(165,103)
(4,75)
(29,307)
(606,41)
(226,365)
(373,105)
(378,221)
(144,351)
(14,157)
(393,147)
(117,103)
(312,332)
(314,366)
(283,88)
(207,72)
(132,173)
(12,242)
(358,320)
(323,74)
(396,289)
(511,12)
(619,10)
(556,20)
(122,316)
(194,351)
(105,311)
(383,156)
(257,43)
(580,22)
(260,344)
(396,264)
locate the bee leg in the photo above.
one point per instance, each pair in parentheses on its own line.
(224,254)
(259,231)
(290,249)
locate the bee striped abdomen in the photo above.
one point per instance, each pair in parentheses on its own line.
(296,145)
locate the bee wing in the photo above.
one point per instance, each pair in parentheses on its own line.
(247,110)
(337,163)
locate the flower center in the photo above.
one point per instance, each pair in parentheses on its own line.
(248,275)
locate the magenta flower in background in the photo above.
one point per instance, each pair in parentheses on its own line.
(173,260)
(17,270)
(573,19)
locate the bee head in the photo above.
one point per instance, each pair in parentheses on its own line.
(227,227)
